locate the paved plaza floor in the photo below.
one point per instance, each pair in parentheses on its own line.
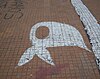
(45,39)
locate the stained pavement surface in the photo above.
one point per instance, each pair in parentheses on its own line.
(16,19)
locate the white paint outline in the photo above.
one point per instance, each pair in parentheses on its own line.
(59,35)
(91,25)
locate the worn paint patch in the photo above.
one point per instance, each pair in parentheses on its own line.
(59,35)
(91,25)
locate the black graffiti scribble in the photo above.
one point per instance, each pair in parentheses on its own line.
(15,9)
(3,3)
(12,9)
(9,15)
(12,12)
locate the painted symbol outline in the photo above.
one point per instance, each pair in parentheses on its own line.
(91,26)
(60,34)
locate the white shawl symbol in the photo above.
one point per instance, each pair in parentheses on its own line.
(59,35)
